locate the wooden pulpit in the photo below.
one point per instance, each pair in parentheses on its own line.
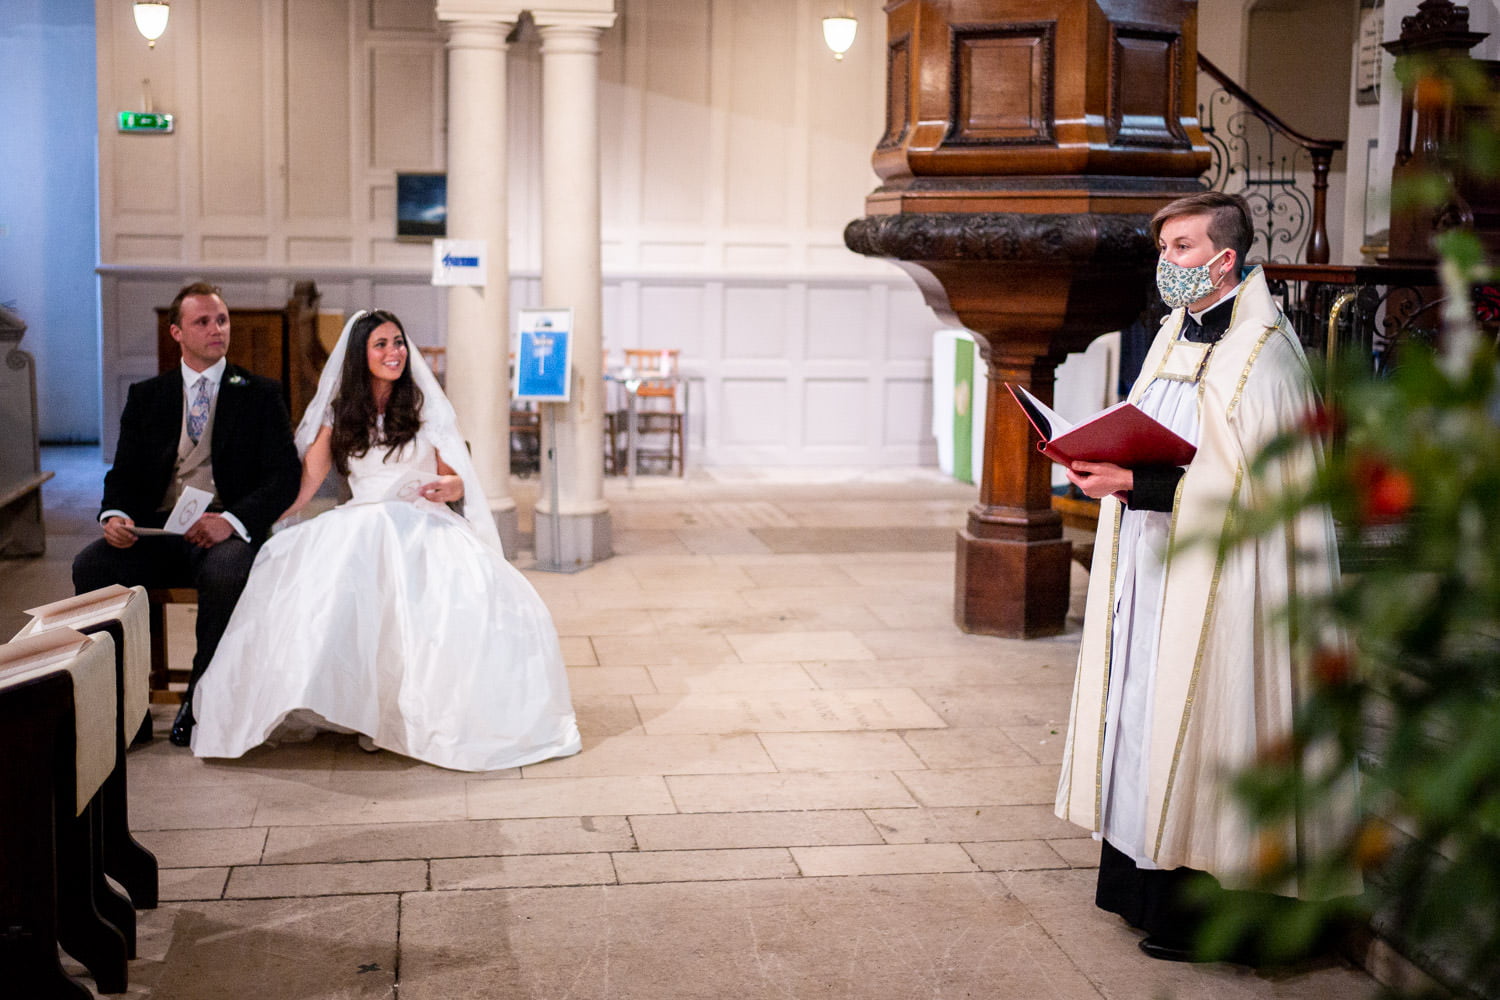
(1026,147)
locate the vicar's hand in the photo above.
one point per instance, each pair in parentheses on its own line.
(1100,479)
(208,531)
(444,489)
(117,532)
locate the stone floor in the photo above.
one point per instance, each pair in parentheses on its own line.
(799,780)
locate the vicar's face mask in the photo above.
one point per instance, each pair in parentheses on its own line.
(1182,286)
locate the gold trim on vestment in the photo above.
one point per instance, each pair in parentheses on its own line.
(1109,653)
(1208,617)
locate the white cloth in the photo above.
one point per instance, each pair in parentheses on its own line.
(391,617)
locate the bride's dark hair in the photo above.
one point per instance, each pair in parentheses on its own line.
(354,410)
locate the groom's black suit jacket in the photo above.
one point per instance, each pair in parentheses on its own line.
(255,465)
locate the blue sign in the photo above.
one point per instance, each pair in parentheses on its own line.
(544,355)
(451,261)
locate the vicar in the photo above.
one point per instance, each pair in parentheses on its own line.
(206,424)
(1186,672)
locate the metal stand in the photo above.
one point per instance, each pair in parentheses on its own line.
(555,565)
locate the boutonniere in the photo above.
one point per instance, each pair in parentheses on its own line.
(236,380)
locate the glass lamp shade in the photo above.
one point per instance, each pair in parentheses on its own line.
(838,32)
(151,19)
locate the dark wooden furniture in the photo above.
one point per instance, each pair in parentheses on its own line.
(22,531)
(278,342)
(1026,147)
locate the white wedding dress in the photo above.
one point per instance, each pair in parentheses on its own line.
(392,618)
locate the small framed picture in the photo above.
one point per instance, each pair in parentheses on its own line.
(421,206)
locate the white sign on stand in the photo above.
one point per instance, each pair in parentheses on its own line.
(458,262)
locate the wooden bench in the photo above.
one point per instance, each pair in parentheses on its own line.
(58,733)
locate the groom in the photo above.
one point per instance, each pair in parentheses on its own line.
(207,424)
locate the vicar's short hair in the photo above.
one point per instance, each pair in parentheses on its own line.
(1228,219)
(174,311)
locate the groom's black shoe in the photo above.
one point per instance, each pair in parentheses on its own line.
(182,726)
(1160,950)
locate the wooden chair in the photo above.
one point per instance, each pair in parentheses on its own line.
(525,439)
(163,675)
(658,407)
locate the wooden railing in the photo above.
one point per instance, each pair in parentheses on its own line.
(1258,155)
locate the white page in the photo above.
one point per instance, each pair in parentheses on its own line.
(1054,420)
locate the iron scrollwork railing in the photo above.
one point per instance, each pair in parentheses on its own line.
(1365,312)
(1282,173)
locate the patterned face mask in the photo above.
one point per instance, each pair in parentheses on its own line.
(1182,286)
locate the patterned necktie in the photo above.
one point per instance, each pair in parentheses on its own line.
(198,413)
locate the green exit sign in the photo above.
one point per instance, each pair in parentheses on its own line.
(144,121)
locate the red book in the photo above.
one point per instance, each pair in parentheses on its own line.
(1122,434)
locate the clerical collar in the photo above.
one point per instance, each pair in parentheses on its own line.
(1208,326)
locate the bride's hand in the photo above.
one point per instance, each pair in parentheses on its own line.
(443,489)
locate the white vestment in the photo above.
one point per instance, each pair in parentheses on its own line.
(1186,672)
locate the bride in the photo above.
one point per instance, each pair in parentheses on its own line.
(390,615)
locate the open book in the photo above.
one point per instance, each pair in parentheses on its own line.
(1122,434)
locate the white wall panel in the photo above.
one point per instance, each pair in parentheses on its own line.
(754,412)
(755,322)
(403,130)
(675,109)
(761,92)
(232,108)
(838,325)
(907,410)
(318,175)
(835,412)
(672,316)
(402,15)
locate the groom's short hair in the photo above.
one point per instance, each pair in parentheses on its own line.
(174,311)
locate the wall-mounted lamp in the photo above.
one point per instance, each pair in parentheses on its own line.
(838,33)
(151,18)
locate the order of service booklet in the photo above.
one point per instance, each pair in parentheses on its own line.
(1122,434)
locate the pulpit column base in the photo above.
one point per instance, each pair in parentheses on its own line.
(1013,588)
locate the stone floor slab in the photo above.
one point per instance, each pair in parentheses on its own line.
(700,831)
(198,848)
(786,712)
(335,948)
(840,752)
(1029,784)
(963,824)
(639,754)
(463,838)
(705,866)
(874,938)
(267,881)
(523,871)
(777,647)
(882,859)
(803,790)
(698,678)
(620,796)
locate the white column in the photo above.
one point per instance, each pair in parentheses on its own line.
(479,317)
(571,277)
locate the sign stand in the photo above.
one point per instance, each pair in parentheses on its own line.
(544,367)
